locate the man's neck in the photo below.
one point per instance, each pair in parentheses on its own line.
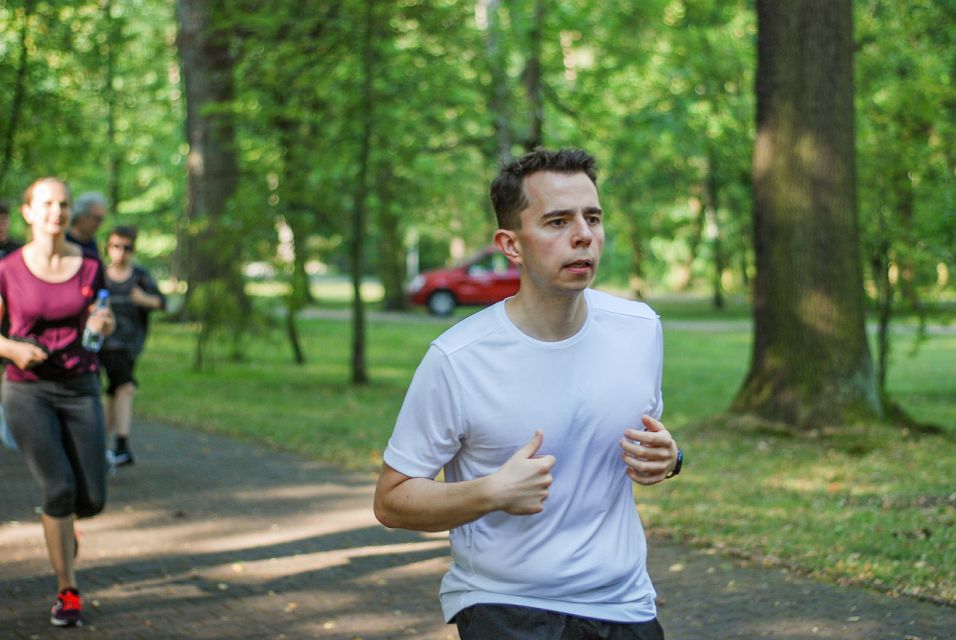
(120,269)
(550,318)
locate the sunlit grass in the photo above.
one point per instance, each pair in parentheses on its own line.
(881,516)
(874,504)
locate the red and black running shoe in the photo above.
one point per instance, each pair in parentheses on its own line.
(67,610)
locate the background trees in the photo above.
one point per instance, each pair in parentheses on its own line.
(56,106)
(906,100)
(662,91)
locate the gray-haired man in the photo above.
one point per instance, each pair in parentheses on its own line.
(89,210)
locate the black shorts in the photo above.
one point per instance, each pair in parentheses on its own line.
(512,622)
(118,364)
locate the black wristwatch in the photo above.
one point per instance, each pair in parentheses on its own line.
(680,461)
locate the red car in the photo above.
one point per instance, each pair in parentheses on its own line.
(485,278)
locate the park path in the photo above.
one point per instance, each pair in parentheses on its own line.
(211,538)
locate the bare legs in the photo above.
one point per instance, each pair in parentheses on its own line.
(61,545)
(119,410)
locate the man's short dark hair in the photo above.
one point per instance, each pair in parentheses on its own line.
(125,231)
(507,189)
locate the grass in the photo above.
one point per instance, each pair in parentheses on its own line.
(875,504)
(309,408)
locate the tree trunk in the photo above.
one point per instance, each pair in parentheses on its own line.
(298,215)
(213,255)
(905,199)
(498,101)
(532,81)
(19,91)
(299,285)
(115,30)
(359,371)
(811,363)
(685,270)
(880,261)
(391,245)
(711,207)
(212,167)
(637,282)
(292,333)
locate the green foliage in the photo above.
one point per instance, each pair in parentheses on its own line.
(661,91)
(906,98)
(681,140)
(62,126)
(219,314)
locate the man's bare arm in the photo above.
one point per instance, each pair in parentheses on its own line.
(519,487)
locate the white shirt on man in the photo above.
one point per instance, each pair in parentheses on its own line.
(479,394)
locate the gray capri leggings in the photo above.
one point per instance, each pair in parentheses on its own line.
(58,426)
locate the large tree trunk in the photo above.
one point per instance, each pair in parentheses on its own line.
(811,363)
(212,166)
(214,249)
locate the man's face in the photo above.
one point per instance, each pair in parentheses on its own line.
(559,244)
(119,249)
(88,224)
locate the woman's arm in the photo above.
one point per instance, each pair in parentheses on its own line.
(23,354)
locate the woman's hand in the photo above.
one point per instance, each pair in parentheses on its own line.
(101,321)
(25,355)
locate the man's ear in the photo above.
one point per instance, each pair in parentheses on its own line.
(507,243)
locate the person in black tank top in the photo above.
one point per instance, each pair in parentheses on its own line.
(133,296)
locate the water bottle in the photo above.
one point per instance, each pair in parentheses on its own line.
(93,340)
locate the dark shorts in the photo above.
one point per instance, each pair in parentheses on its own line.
(118,365)
(511,622)
(58,427)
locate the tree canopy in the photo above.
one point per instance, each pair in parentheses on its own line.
(661,91)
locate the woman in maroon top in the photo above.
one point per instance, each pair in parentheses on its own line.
(51,392)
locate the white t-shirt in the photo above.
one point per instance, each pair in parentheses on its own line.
(479,394)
